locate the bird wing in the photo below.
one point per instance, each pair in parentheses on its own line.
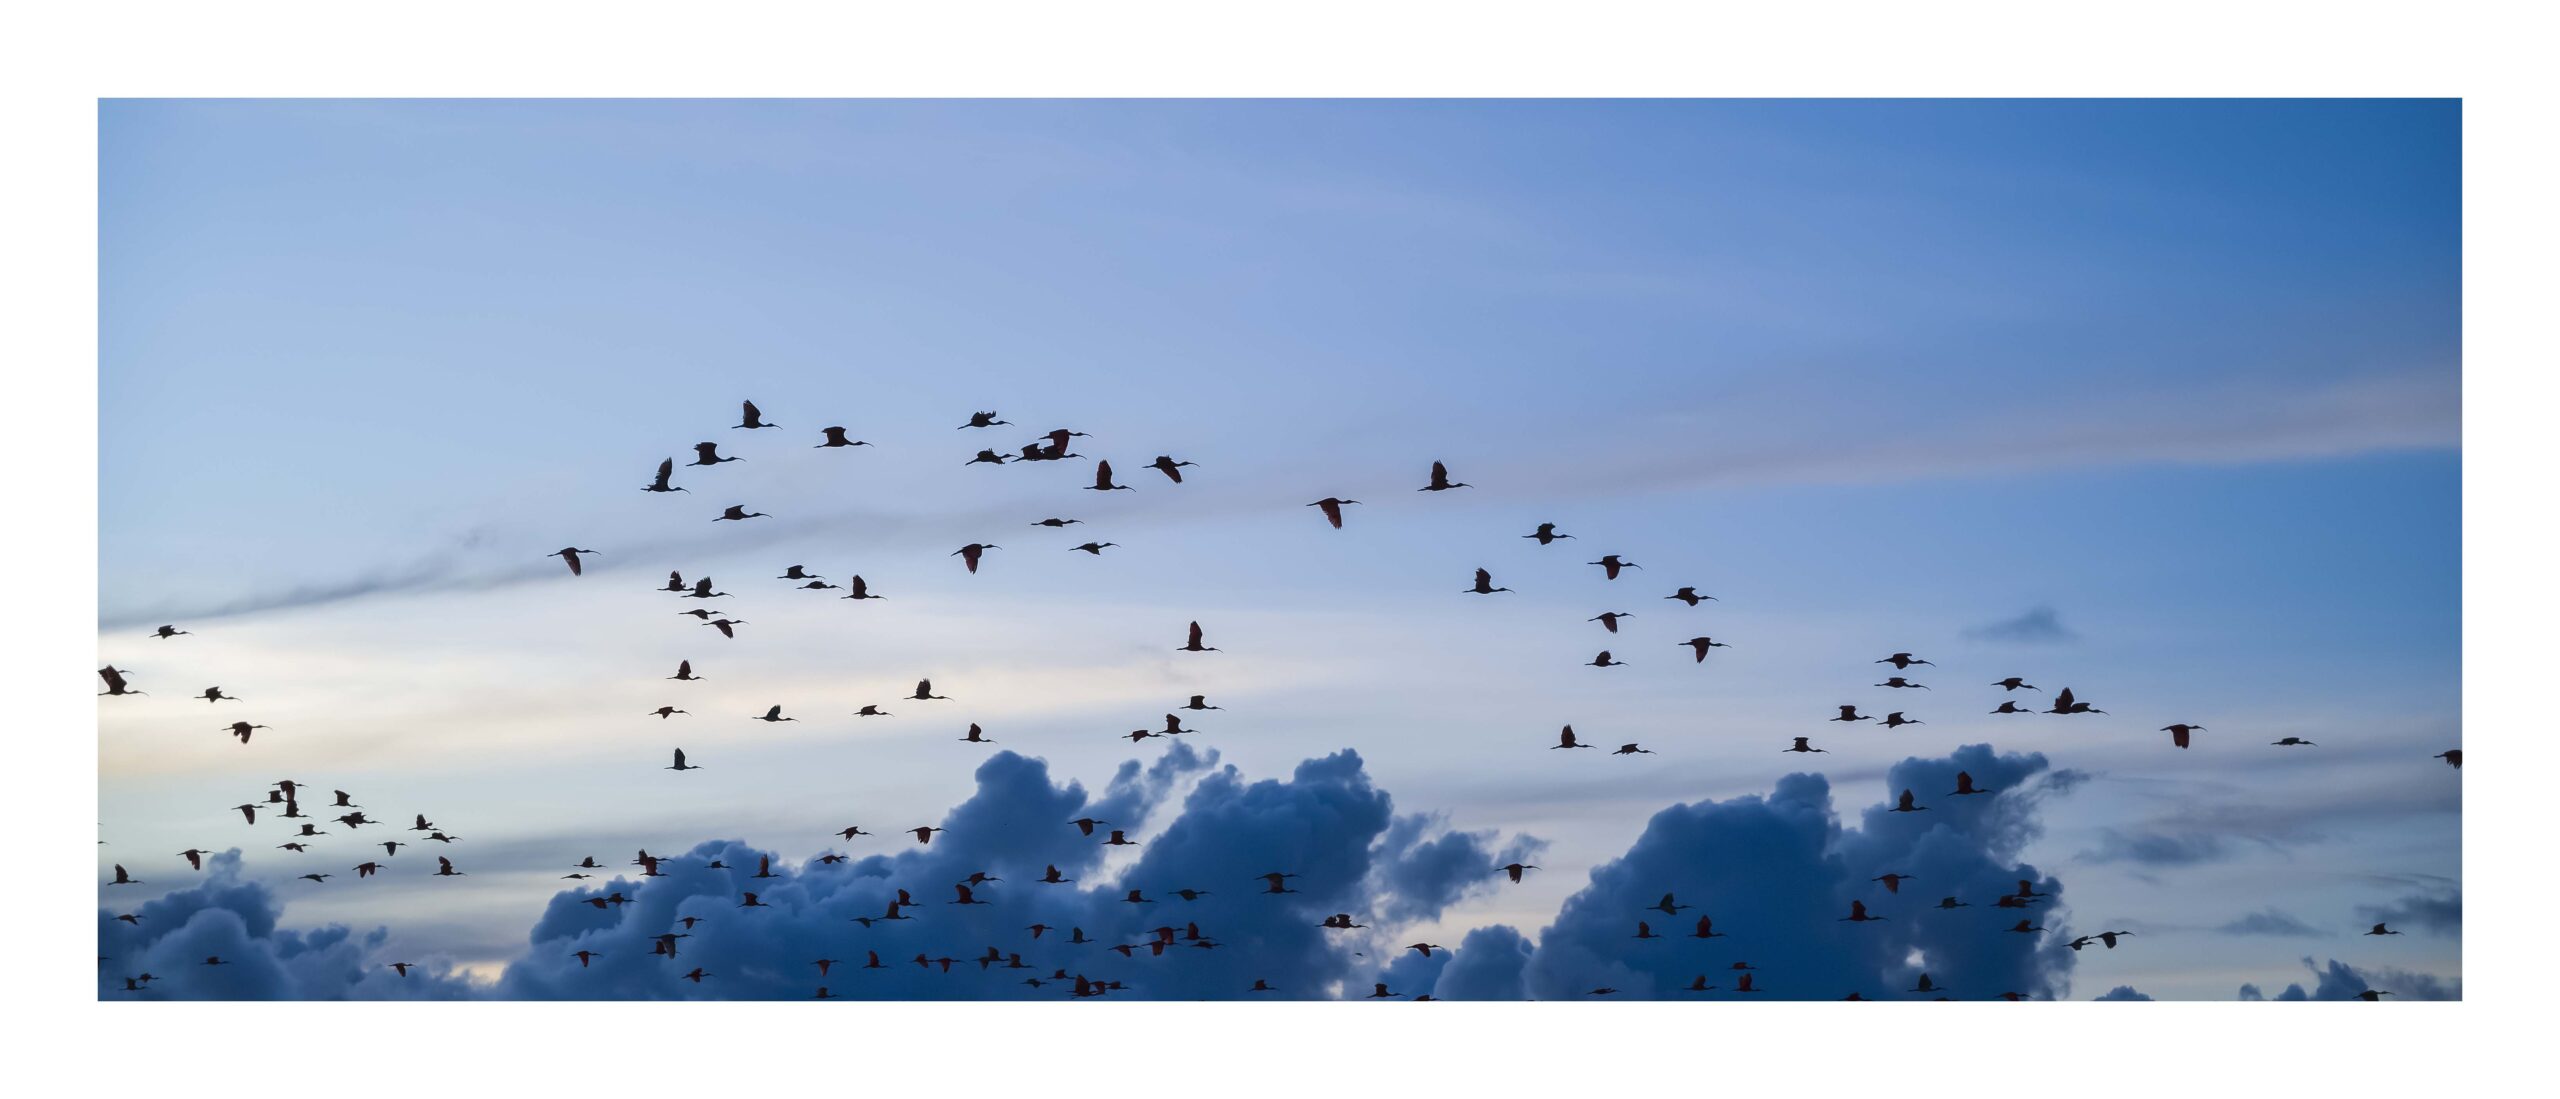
(1195,635)
(752,414)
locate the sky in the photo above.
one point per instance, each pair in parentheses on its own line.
(2155,400)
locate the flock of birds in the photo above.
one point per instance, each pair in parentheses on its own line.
(283,799)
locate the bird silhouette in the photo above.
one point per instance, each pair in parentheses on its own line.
(986,457)
(708,454)
(572,555)
(1667,908)
(2178,733)
(1904,805)
(1545,534)
(2452,758)
(855,588)
(739,512)
(1850,713)
(1700,645)
(835,437)
(1858,914)
(1691,597)
(773,714)
(684,671)
(680,764)
(749,417)
(169,631)
(1484,584)
(1085,824)
(724,624)
(970,553)
(1892,882)
(1610,565)
(1102,480)
(1094,548)
(2013,683)
(1604,660)
(1631,750)
(1964,785)
(2011,708)
(925,834)
(1608,620)
(2293,742)
(2378,929)
(1333,509)
(976,735)
(1515,870)
(1898,681)
(1566,740)
(1802,744)
(1172,470)
(2064,703)
(1902,661)
(924,692)
(444,868)
(1440,481)
(1193,645)
(983,419)
(241,729)
(1895,720)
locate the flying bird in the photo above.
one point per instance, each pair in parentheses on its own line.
(1610,564)
(2293,742)
(983,419)
(1964,785)
(1566,740)
(708,454)
(1546,534)
(723,624)
(835,437)
(571,555)
(1691,597)
(2013,683)
(1165,464)
(666,470)
(773,714)
(680,764)
(1514,870)
(169,631)
(1484,584)
(924,692)
(1700,645)
(1332,509)
(2178,732)
(970,553)
(115,682)
(739,512)
(749,417)
(1902,661)
(1102,480)
(1803,744)
(1905,805)
(1440,481)
(1604,660)
(1094,548)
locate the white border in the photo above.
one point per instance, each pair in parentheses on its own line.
(63,58)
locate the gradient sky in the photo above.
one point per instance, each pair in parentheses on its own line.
(2155,400)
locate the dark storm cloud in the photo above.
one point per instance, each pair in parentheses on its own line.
(2437,912)
(2271,921)
(2123,992)
(2041,626)
(234,919)
(1777,873)
(2157,848)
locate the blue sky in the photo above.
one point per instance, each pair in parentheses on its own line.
(1879,375)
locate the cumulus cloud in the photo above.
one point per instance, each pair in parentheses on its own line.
(234,919)
(2271,921)
(2123,992)
(2040,626)
(2339,981)
(1777,873)
(1327,824)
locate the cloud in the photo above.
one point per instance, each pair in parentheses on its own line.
(232,918)
(2040,626)
(1777,873)
(2271,921)
(2438,912)
(2123,992)
(2157,848)
(2339,981)
(1327,824)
